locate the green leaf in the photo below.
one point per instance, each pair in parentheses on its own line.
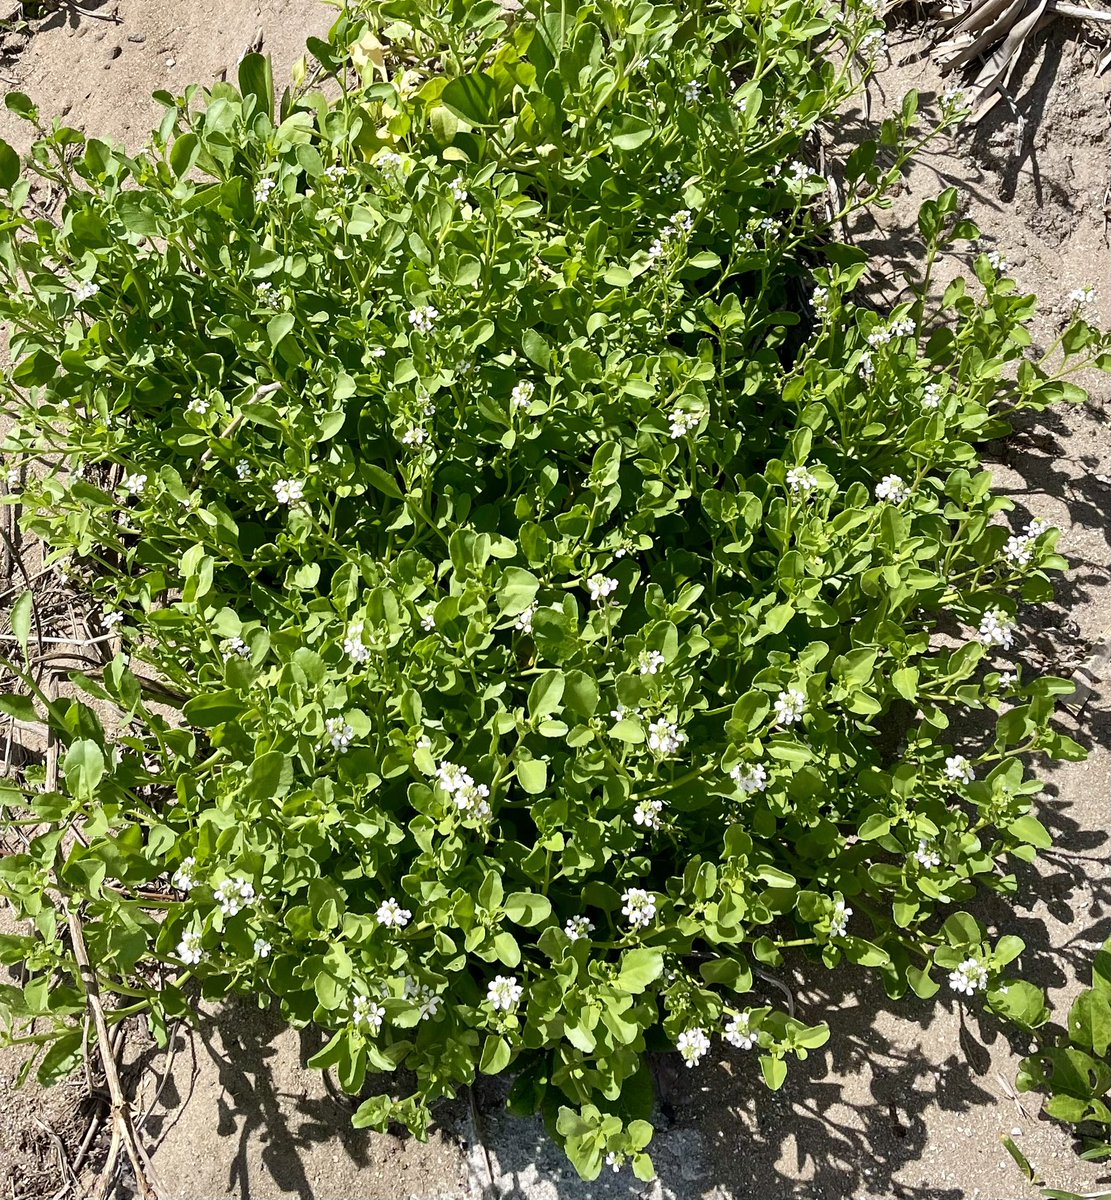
(639,968)
(279,326)
(9,164)
(1090,1022)
(83,768)
(382,480)
(527,908)
(775,1071)
(256,78)
(21,620)
(473,97)
(208,710)
(532,775)
(496,1055)
(545,695)
(20,707)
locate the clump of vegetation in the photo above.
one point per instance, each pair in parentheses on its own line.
(543,590)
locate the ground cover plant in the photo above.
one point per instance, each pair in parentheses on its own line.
(544,586)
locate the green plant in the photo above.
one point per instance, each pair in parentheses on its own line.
(543,591)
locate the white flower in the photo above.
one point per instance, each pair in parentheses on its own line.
(600,587)
(927,854)
(682,221)
(737,1032)
(954,98)
(390,913)
(451,777)
(879,337)
(683,423)
(959,770)
(750,778)
(233,895)
(353,645)
(387,160)
(1082,295)
(931,397)
(189,948)
(613,1161)
(85,290)
(665,737)
(234,647)
(524,619)
(339,733)
(415,435)
(1018,550)
(892,487)
(692,1044)
(263,189)
(265,293)
(790,707)
(647,813)
(998,262)
(428,622)
(367,1014)
(903,327)
(429,1003)
(839,920)
(578,927)
(819,299)
(111,619)
(970,977)
(133,484)
(650,661)
(459,189)
(262,948)
(336,173)
(1006,680)
(996,629)
(867,366)
(243,470)
(288,491)
(639,906)
(377,352)
(184,879)
(471,799)
(692,91)
(799,479)
(423,318)
(799,172)
(521,396)
(504,993)
(621,712)
(875,41)
(1038,526)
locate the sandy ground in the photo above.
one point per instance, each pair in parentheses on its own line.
(909,1103)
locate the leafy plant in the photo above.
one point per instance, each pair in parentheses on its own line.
(543,591)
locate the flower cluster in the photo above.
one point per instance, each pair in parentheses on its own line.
(970,976)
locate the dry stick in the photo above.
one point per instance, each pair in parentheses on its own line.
(123,1129)
(1077,10)
(481,1141)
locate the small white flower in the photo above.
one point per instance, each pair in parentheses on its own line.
(750,778)
(799,479)
(428,622)
(692,91)
(189,948)
(134,484)
(243,470)
(737,1032)
(867,365)
(387,160)
(415,435)
(85,290)
(184,878)
(472,800)
(367,1014)
(504,993)
(790,706)
(429,1002)
(879,337)
(892,488)
(234,647)
(1018,550)
(1082,295)
(233,895)
(111,619)
(819,300)
(263,189)
(874,42)
(839,920)
(998,262)
(1038,526)
(339,733)
(996,629)
(927,854)
(423,318)
(971,976)
(683,423)
(521,396)
(377,352)
(903,327)
(958,769)
(931,397)
(335,173)
(692,1044)
(1006,680)
(665,737)
(289,491)
(459,189)
(266,293)
(451,777)
(639,906)
(613,1161)
(390,913)
(262,948)
(600,587)
(578,927)
(954,98)
(799,172)
(353,645)
(649,662)
(524,619)
(647,813)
